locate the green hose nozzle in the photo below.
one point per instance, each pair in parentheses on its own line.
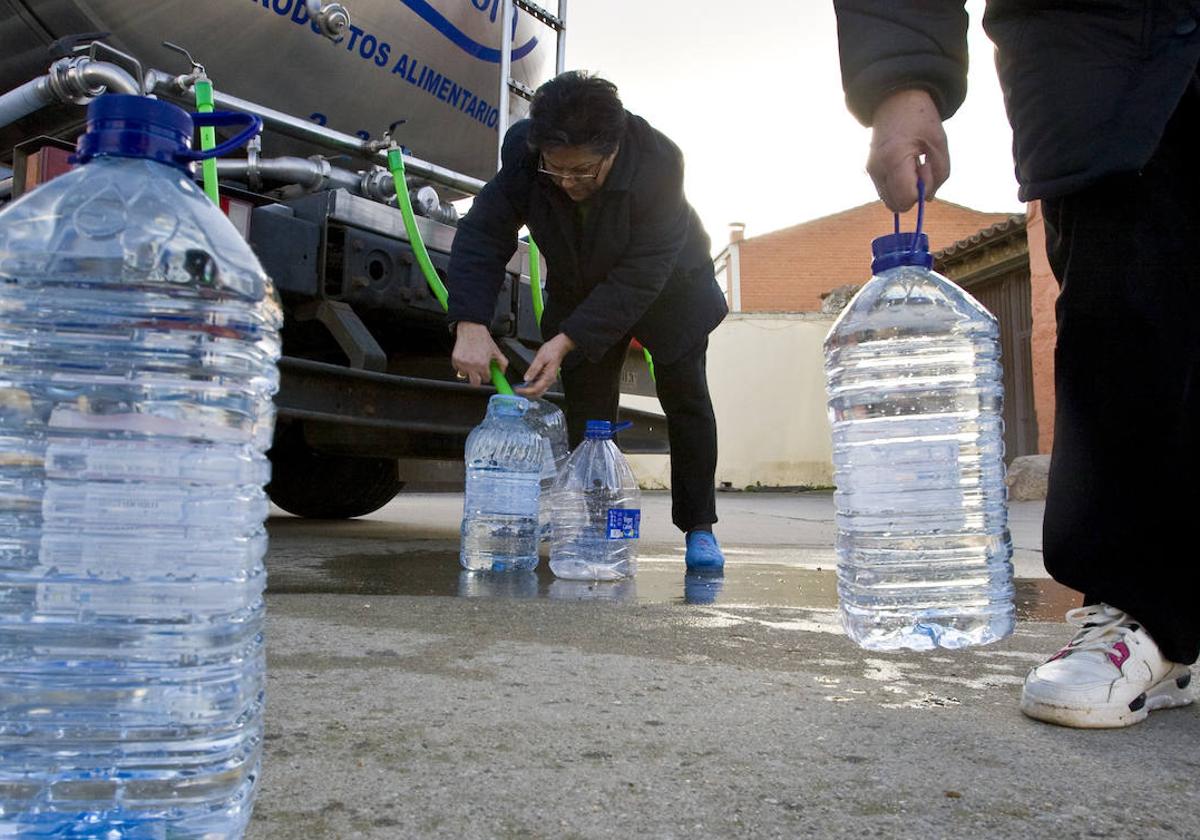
(208,138)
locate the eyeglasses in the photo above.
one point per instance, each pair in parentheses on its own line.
(582,174)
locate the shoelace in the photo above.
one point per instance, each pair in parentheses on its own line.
(1103,628)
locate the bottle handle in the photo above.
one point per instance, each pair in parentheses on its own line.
(622,426)
(920,214)
(252,122)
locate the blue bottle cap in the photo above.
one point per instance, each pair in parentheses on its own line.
(900,249)
(137,127)
(604,430)
(599,430)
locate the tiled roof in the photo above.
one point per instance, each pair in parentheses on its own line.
(999,231)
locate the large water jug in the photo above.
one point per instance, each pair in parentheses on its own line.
(914,382)
(597,511)
(547,419)
(138,340)
(504,460)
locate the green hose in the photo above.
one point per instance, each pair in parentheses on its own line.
(396,167)
(208,138)
(535,280)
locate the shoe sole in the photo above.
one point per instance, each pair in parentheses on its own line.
(1170,693)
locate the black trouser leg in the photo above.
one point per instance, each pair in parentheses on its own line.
(1123,499)
(692,431)
(593,391)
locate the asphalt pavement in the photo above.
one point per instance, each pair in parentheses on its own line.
(410,699)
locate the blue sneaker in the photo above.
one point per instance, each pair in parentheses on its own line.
(703,551)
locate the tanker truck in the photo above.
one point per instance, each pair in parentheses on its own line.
(368,402)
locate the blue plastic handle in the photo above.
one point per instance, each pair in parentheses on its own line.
(920,208)
(920,214)
(252,122)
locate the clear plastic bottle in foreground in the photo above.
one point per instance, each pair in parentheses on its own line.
(597,511)
(504,460)
(914,381)
(138,340)
(547,419)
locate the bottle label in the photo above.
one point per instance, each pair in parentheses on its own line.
(623,523)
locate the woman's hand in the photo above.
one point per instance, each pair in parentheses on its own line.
(474,351)
(544,368)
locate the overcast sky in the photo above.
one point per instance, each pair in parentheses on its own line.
(751,92)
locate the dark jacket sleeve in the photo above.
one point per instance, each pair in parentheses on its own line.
(889,45)
(486,237)
(659,221)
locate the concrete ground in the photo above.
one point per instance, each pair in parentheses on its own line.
(407,699)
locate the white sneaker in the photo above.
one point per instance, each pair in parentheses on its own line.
(1111,674)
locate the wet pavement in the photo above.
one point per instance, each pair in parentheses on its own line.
(408,698)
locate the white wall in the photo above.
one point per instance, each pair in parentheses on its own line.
(765,372)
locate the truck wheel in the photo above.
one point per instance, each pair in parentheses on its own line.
(322,486)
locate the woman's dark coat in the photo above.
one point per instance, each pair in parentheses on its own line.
(638,265)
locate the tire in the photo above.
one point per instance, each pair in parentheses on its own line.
(317,485)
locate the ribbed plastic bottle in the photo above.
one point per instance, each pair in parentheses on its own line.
(597,511)
(914,382)
(138,341)
(504,460)
(547,419)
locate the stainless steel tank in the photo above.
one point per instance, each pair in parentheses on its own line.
(433,63)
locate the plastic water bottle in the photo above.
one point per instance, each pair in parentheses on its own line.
(550,423)
(914,381)
(504,461)
(138,340)
(597,511)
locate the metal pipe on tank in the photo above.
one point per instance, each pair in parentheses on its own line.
(506,42)
(281,170)
(25,100)
(112,78)
(310,174)
(314,174)
(560,62)
(166,85)
(75,79)
(426,202)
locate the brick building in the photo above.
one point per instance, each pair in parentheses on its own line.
(998,257)
(788,270)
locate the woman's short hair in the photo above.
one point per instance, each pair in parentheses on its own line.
(575,109)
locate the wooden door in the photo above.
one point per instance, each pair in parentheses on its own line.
(1008,297)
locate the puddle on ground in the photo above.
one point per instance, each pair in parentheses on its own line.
(430,567)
